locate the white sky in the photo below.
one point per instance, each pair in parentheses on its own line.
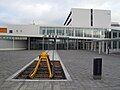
(52,12)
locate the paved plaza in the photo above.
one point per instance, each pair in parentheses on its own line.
(79,64)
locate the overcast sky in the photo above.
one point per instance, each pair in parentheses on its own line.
(50,12)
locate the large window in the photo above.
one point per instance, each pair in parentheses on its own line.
(78,32)
(10,31)
(114,34)
(75,31)
(114,44)
(69,32)
(60,31)
(87,33)
(107,34)
(96,33)
(102,33)
(51,31)
(43,30)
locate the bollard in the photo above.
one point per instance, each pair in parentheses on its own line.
(97,68)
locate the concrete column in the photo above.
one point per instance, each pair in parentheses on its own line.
(111,41)
(117,45)
(106,47)
(103,46)
(94,46)
(117,41)
(67,44)
(43,43)
(83,44)
(74,32)
(87,45)
(28,43)
(77,44)
(111,44)
(48,46)
(55,43)
(74,44)
(13,43)
(91,45)
(99,47)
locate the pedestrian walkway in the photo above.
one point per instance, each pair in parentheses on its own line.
(53,55)
(78,63)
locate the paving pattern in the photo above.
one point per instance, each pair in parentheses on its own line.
(77,62)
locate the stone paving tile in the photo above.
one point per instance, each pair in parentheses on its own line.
(79,65)
(77,62)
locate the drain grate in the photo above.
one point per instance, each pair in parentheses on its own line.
(42,72)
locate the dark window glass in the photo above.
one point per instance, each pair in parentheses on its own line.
(43,32)
(119,34)
(119,44)
(114,34)
(109,34)
(114,44)
(10,31)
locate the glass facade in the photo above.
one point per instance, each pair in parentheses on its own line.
(73,31)
(78,32)
(114,44)
(69,32)
(43,30)
(87,33)
(96,33)
(50,31)
(114,34)
(60,31)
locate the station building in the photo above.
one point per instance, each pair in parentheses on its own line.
(86,29)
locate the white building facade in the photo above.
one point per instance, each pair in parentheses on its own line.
(88,29)
(89,18)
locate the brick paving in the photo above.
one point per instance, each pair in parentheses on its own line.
(78,64)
